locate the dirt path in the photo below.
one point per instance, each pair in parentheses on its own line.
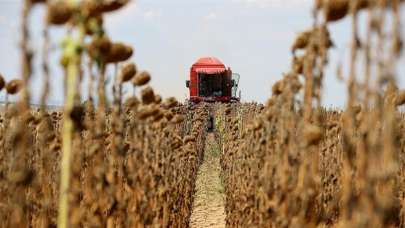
(208,209)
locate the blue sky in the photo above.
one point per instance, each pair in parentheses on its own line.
(253,37)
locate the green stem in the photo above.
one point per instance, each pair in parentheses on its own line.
(67,140)
(72,79)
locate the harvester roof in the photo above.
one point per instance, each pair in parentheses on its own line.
(209,65)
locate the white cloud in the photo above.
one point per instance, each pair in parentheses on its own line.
(210,16)
(151,14)
(278,3)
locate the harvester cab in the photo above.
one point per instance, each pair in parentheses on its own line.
(211,81)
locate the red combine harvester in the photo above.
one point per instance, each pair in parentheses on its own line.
(211,81)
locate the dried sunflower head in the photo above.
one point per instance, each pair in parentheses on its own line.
(128,72)
(141,79)
(147,95)
(59,12)
(95,7)
(118,52)
(170,102)
(312,134)
(2,82)
(14,86)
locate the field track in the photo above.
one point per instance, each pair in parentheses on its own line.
(208,207)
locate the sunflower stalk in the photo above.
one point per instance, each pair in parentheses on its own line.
(72,50)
